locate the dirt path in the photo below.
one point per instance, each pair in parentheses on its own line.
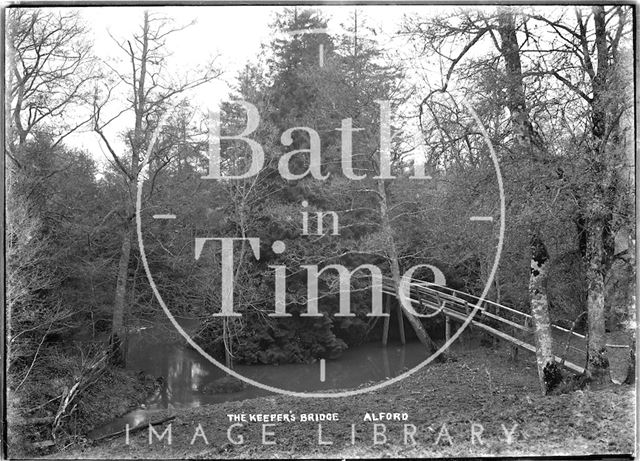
(481,404)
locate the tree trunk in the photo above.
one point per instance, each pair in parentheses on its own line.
(597,212)
(392,254)
(548,371)
(529,143)
(631,306)
(118,332)
(631,364)
(598,363)
(226,340)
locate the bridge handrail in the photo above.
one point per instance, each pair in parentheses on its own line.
(515,311)
(438,294)
(452,298)
(458,302)
(422,285)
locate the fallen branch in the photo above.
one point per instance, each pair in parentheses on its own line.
(90,375)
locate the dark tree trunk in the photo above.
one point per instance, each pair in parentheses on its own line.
(118,331)
(631,364)
(392,254)
(598,215)
(528,142)
(598,364)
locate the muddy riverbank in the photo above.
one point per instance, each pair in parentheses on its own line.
(479,404)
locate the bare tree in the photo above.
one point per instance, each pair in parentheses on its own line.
(467,31)
(529,142)
(151,92)
(586,55)
(51,69)
(576,63)
(383,81)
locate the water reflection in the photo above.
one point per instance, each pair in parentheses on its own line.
(186,373)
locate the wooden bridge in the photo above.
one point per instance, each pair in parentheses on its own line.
(496,319)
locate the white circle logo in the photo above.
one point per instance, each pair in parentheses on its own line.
(279,247)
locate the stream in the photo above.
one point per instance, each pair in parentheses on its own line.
(185,372)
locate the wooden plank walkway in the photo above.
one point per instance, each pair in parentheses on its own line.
(491,317)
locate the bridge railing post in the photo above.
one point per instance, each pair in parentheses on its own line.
(447,327)
(438,300)
(385,327)
(401,324)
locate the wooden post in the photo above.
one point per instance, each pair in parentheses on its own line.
(447,328)
(469,333)
(514,348)
(439,301)
(385,363)
(401,325)
(385,328)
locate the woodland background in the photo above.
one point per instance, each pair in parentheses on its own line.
(552,86)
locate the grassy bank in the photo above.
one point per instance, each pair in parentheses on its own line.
(480,404)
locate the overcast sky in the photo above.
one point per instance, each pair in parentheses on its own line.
(234,35)
(231,33)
